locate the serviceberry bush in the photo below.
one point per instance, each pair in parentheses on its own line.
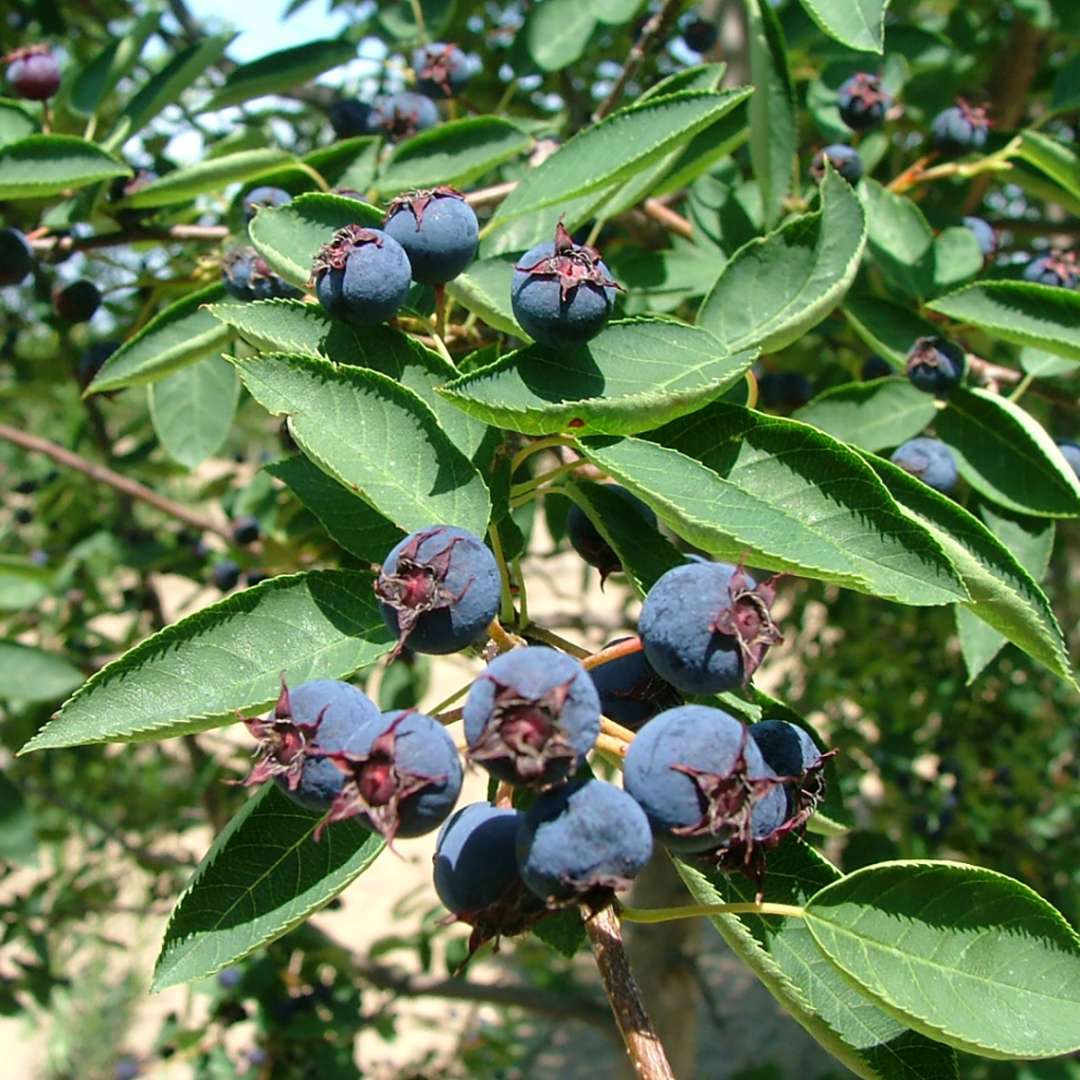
(782,349)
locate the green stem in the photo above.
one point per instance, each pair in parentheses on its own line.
(693,911)
(527,487)
(523,596)
(316,176)
(535,447)
(506,606)
(1021,387)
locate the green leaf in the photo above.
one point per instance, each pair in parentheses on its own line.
(1019,311)
(1044,365)
(616,12)
(18,844)
(351,522)
(22,584)
(1066,92)
(634,375)
(99,76)
(348,163)
(889,329)
(783,955)
(963,954)
(774,133)
(871,415)
(289,237)
(1056,159)
(900,239)
(858,24)
(1001,592)
(15,122)
(43,165)
(557,32)
(777,287)
(193,408)
(33,675)
(210,175)
(957,257)
(1006,454)
(282,70)
(454,153)
(181,334)
(264,875)
(373,435)
(780,495)
(484,288)
(227,660)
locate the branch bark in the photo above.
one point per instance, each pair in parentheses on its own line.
(64,245)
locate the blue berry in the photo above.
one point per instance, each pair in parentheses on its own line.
(876,367)
(580,837)
(702,781)
(984,234)
(247,276)
(793,755)
(959,129)
(441,69)
(398,116)
(438,589)
(935,365)
(362,276)
(1071,451)
(561,292)
(93,360)
(706,626)
(532,716)
(862,101)
(1057,268)
(930,460)
(402,776)
(16,257)
(245,530)
(255,577)
(33,72)
(260,197)
(437,229)
(77,302)
(317,717)
(844,159)
(630,690)
(586,540)
(784,391)
(700,35)
(225,574)
(350,118)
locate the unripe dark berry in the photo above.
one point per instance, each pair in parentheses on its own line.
(930,460)
(225,574)
(438,590)
(984,234)
(862,101)
(437,229)
(844,159)
(959,129)
(402,776)
(247,276)
(935,365)
(399,116)
(33,72)
(784,391)
(561,292)
(260,197)
(16,257)
(441,69)
(702,781)
(706,626)
(532,716)
(77,302)
(1071,452)
(1058,268)
(23,516)
(362,276)
(700,35)
(876,367)
(586,540)
(312,719)
(581,837)
(630,690)
(245,530)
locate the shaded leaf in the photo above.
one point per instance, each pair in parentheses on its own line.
(32,674)
(42,165)
(192,409)
(209,175)
(858,24)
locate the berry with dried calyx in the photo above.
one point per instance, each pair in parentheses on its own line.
(862,101)
(441,69)
(935,365)
(362,276)
(438,230)
(33,72)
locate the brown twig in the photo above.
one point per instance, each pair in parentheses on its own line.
(667,217)
(490,195)
(104,475)
(613,652)
(642,1044)
(180,233)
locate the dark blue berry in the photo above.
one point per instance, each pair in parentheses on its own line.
(225,574)
(630,690)
(127,1067)
(441,69)
(1057,268)
(580,837)
(706,626)
(260,197)
(700,35)
(247,276)
(586,540)
(439,589)
(438,231)
(702,781)
(398,116)
(230,978)
(935,365)
(959,129)
(862,101)
(532,716)
(876,367)
(844,159)
(561,292)
(475,864)
(362,276)
(255,577)
(23,516)
(350,118)
(1071,451)
(93,360)
(33,72)
(77,302)
(793,755)
(984,234)
(245,530)
(16,257)
(930,460)
(784,391)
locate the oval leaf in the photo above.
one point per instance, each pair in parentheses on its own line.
(210,175)
(30,674)
(193,408)
(43,165)
(484,288)
(15,122)
(858,24)
(557,32)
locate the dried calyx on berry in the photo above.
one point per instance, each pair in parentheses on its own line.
(362,275)
(863,101)
(441,69)
(438,230)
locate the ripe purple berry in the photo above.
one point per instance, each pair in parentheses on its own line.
(561,292)
(260,197)
(844,159)
(1057,268)
(706,626)
(630,690)
(33,72)
(362,276)
(16,257)
(77,302)
(703,782)
(438,230)
(862,101)
(984,234)
(438,590)
(930,460)
(402,776)
(581,837)
(959,129)
(586,540)
(398,116)
(441,69)
(935,365)
(532,716)
(247,276)
(316,717)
